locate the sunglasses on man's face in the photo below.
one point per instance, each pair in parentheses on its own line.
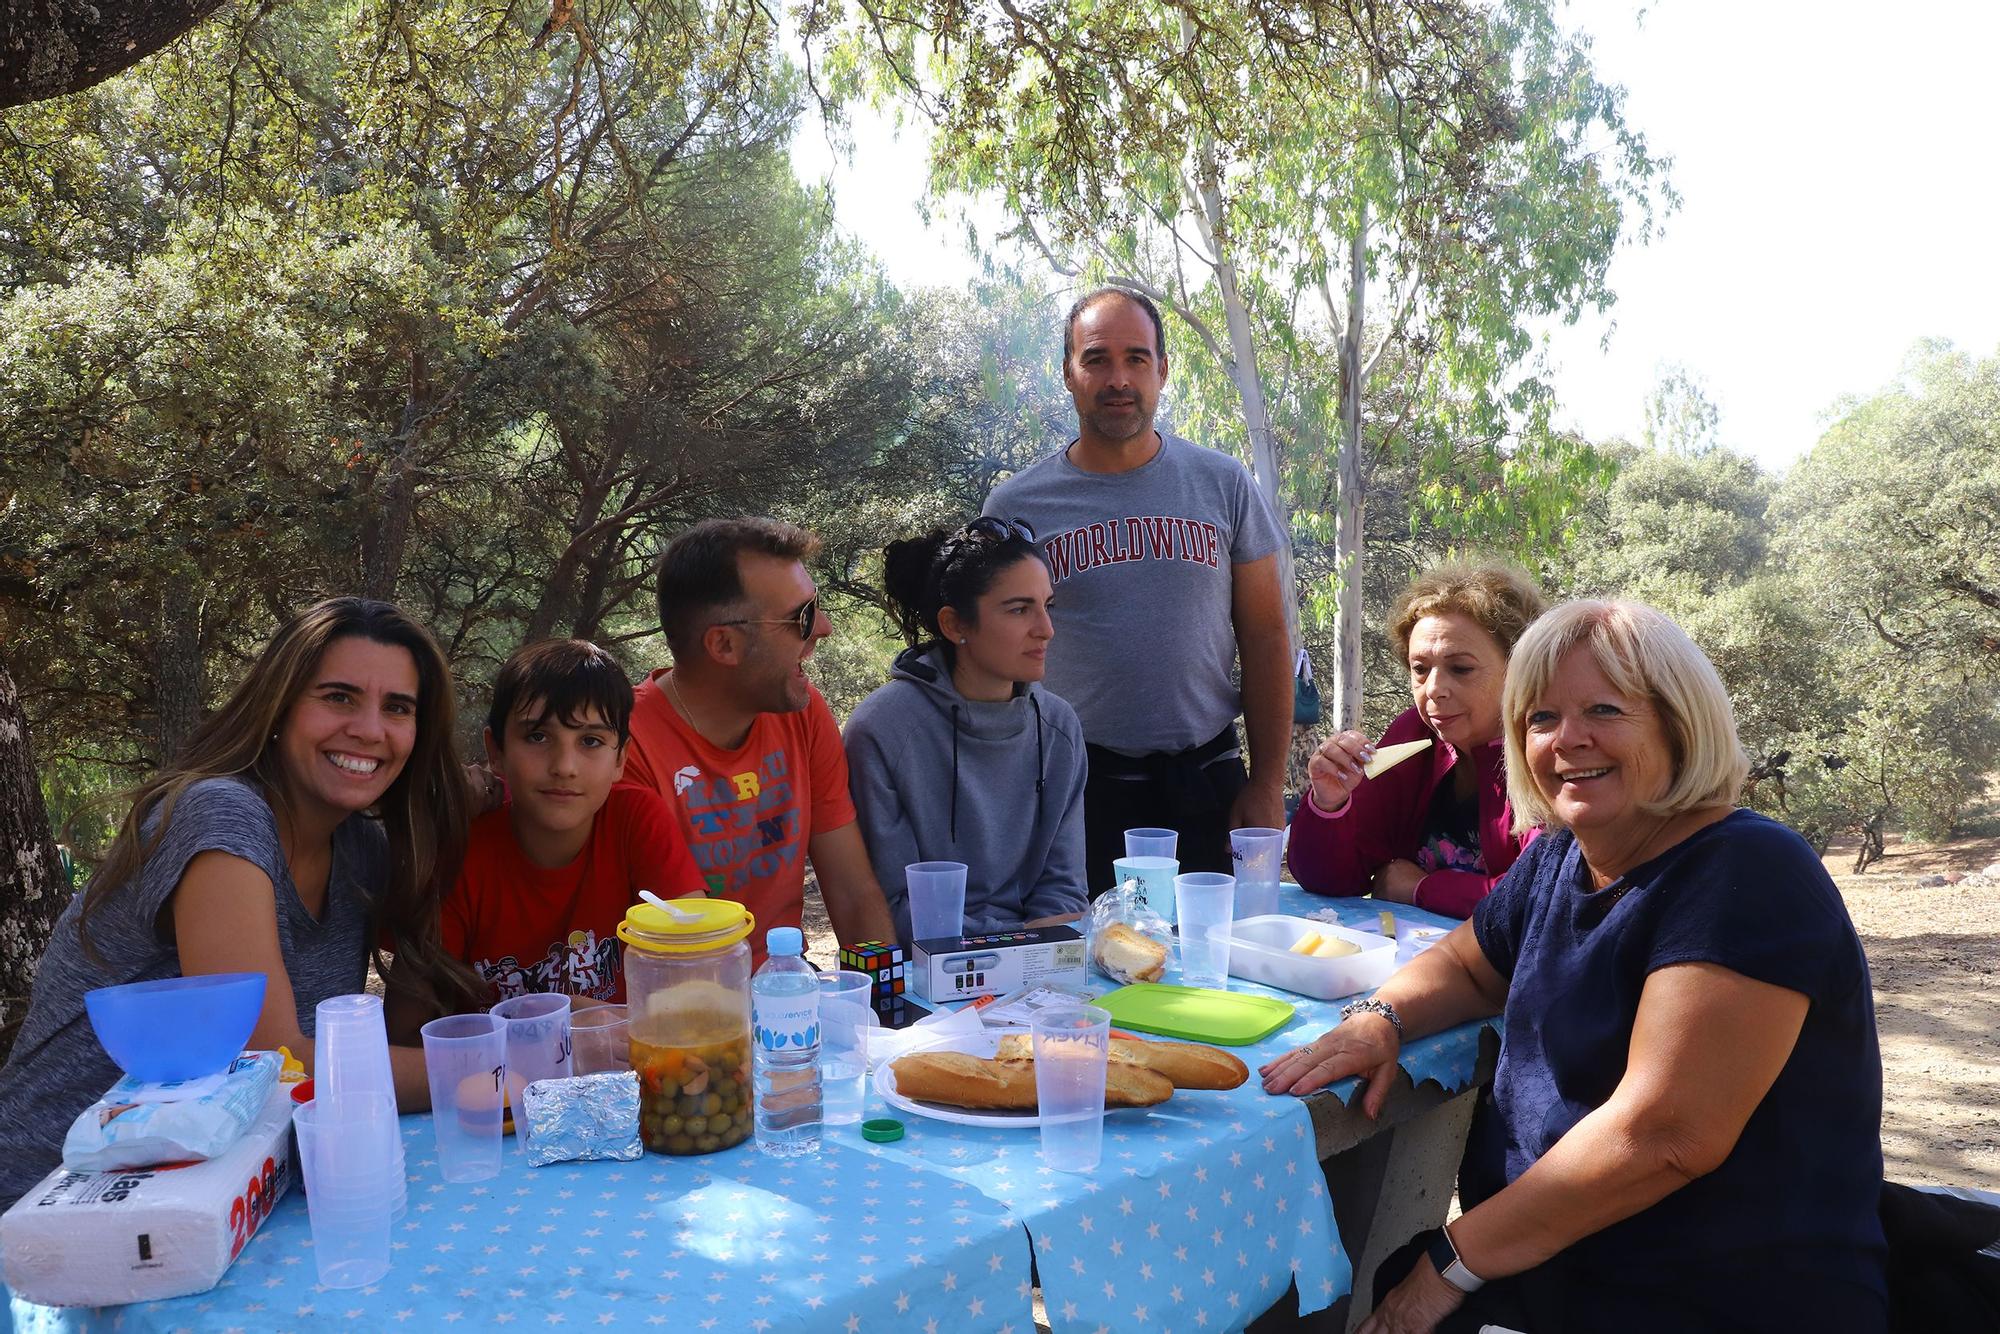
(801,620)
(994,526)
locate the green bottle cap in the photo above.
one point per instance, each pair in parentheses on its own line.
(883,1130)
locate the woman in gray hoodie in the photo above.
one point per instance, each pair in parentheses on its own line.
(963,756)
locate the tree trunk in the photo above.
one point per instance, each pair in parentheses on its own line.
(387,535)
(35,890)
(1347,533)
(1245,374)
(52,47)
(179,681)
(1249,381)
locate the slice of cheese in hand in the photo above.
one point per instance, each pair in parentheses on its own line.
(1307,943)
(1388,757)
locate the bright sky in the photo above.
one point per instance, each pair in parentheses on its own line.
(1839,203)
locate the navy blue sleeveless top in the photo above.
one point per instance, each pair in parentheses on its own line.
(1784,1234)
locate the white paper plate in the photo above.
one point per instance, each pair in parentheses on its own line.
(982,1045)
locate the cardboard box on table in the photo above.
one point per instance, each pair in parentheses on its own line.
(964,967)
(147,1233)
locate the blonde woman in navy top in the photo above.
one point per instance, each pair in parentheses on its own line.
(1686,1122)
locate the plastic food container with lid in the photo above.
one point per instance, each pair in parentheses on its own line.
(687,993)
(1260,949)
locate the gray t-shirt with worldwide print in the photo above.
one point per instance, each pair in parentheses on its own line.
(57,1067)
(1144,647)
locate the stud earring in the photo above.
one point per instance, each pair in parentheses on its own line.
(961,639)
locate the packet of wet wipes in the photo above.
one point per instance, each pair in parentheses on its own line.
(131,1126)
(583,1118)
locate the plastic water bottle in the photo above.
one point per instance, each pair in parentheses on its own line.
(784,1021)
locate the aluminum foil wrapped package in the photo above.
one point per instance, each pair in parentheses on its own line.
(585,1118)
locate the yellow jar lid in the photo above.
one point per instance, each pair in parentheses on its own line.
(688,927)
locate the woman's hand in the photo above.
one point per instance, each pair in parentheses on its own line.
(1416,1305)
(1366,1045)
(1397,881)
(1335,768)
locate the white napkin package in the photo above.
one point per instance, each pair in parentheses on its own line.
(147,1233)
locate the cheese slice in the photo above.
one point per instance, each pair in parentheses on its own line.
(1307,943)
(1333,947)
(1388,757)
(1388,924)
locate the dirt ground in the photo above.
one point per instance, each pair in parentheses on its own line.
(1934,951)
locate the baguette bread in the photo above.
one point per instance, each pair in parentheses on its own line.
(1124,953)
(1190,1065)
(958,1080)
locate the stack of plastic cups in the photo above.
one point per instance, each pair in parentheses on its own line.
(351,1056)
(346,1151)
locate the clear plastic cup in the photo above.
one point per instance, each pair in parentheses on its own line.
(351,1055)
(1259,856)
(600,1039)
(1152,843)
(937,899)
(845,1016)
(1156,881)
(347,1158)
(465,1056)
(1072,1044)
(1206,902)
(538,1047)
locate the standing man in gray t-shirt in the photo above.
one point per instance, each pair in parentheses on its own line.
(1164,555)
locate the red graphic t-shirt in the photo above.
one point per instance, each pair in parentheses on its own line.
(748,814)
(525,927)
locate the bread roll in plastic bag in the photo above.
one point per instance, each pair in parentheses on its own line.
(1129,942)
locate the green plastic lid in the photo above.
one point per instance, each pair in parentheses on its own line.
(1231,1018)
(882,1130)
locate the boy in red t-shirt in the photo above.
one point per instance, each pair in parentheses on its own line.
(549,874)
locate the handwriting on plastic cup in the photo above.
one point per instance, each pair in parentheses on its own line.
(1071,1045)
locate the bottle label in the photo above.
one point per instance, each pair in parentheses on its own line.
(786,1023)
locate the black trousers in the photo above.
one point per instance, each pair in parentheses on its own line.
(1190,791)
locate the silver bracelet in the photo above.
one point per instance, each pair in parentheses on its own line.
(1373,1006)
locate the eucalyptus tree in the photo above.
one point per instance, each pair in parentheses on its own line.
(1265,169)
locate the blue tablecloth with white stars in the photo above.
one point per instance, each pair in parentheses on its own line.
(1203,1213)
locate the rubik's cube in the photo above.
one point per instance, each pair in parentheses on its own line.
(884,966)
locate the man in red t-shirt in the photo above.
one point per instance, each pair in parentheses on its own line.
(740,744)
(548,876)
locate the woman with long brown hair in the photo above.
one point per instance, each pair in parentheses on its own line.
(322,808)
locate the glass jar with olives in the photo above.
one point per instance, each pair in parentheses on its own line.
(687,990)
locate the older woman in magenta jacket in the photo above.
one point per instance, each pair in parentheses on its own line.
(1436,829)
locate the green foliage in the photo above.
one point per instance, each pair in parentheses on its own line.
(1894,517)
(1843,606)
(427,302)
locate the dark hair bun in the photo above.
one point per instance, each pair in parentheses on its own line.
(907,579)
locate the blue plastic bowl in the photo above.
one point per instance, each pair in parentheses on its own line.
(177,1027)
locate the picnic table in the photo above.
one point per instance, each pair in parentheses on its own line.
(1206,1212)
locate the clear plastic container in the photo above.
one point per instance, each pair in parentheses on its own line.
(1260,949)
(687,995)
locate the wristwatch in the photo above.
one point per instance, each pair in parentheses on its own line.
(1444,1257)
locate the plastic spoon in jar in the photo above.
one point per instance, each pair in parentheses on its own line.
(681,915)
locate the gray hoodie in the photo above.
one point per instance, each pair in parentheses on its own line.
(998,786)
